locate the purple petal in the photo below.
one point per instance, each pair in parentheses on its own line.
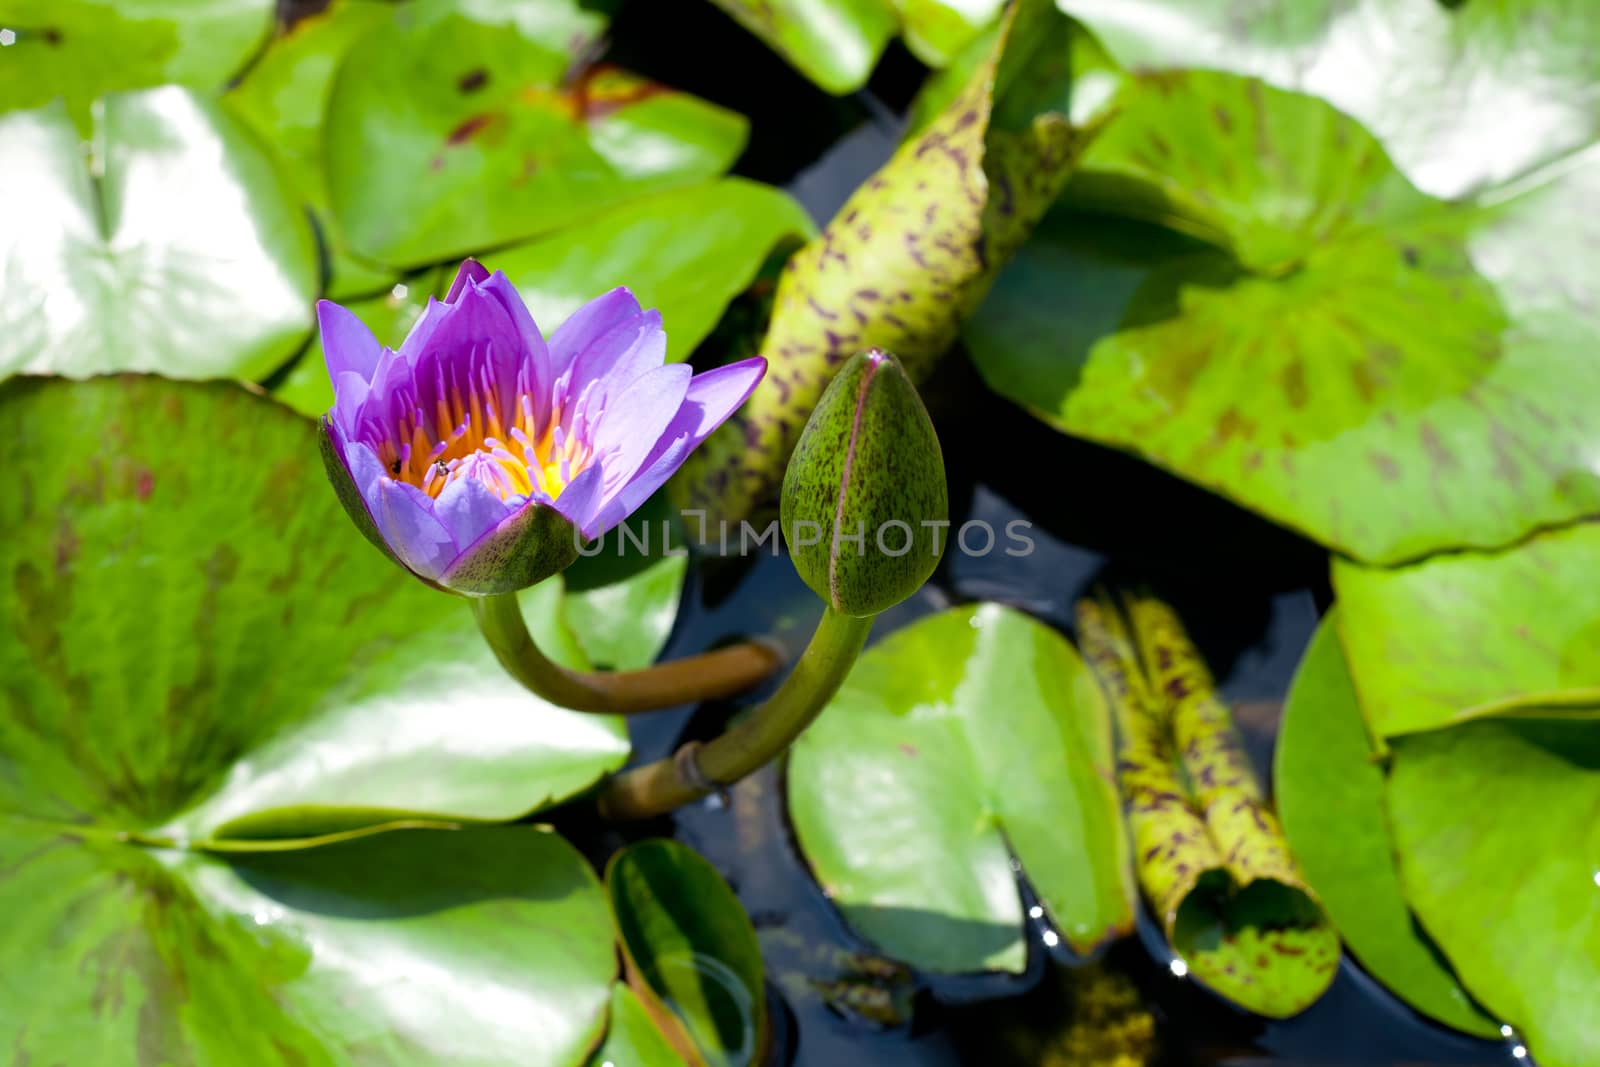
(589,322)
(469,509)
(469,271)
(347,344)
(580,499)
(716,394)
(617,359)
(537,378)
(635,421)
(402,513)
(350,392)
(667,457)
(405,518)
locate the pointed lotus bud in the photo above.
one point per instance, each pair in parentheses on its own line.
(865,505)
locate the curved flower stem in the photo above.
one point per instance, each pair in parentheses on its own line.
(708,676)
(696,769)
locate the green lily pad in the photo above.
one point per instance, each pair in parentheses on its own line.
(414,947)
(284,98)
(447,135)
(1279,359)
(1463,96)
(687,253)
(690,952)
(835,43)
(1470,634)
(937,30)
(955,743)
(1499,848)
(632,1040)
(78,50)
(198,640)
(181,250)
(1330,792)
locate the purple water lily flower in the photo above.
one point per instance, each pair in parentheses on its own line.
(478,453)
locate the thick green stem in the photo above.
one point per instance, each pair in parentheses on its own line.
(698,769)
(708,676)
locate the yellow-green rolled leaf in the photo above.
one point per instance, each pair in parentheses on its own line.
(906,259)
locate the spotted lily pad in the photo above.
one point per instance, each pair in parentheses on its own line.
(957,742)
(477,947)
(1211,858)
(463,126)
(1463,96)
(198,641)
(1470,634)
(1278,357)
(178,248)
(690,952)
(1499,849)
(78,50)
(284,98)
(1330,792)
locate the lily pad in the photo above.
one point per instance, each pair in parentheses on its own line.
(632,1040)
(690,952)
(1330,791)
(1279,358)
(835,43)
(1211,857)
(181,251)
(955,743)
(1499,848)
(1470,634)
(1463,96)
(449,134)
(199,641)
(413,947)
(687,253)
(78,50)
(909,255)
(284,98)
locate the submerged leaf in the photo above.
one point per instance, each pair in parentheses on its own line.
(690,953)
(955,743)
(1210,856)
(905,260)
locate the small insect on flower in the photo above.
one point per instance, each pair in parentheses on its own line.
(480,456)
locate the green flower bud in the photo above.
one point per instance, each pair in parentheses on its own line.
(865,505)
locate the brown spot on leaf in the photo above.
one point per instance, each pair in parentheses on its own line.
(1386,466)
(473,80)
(468,128)
(1294,384)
